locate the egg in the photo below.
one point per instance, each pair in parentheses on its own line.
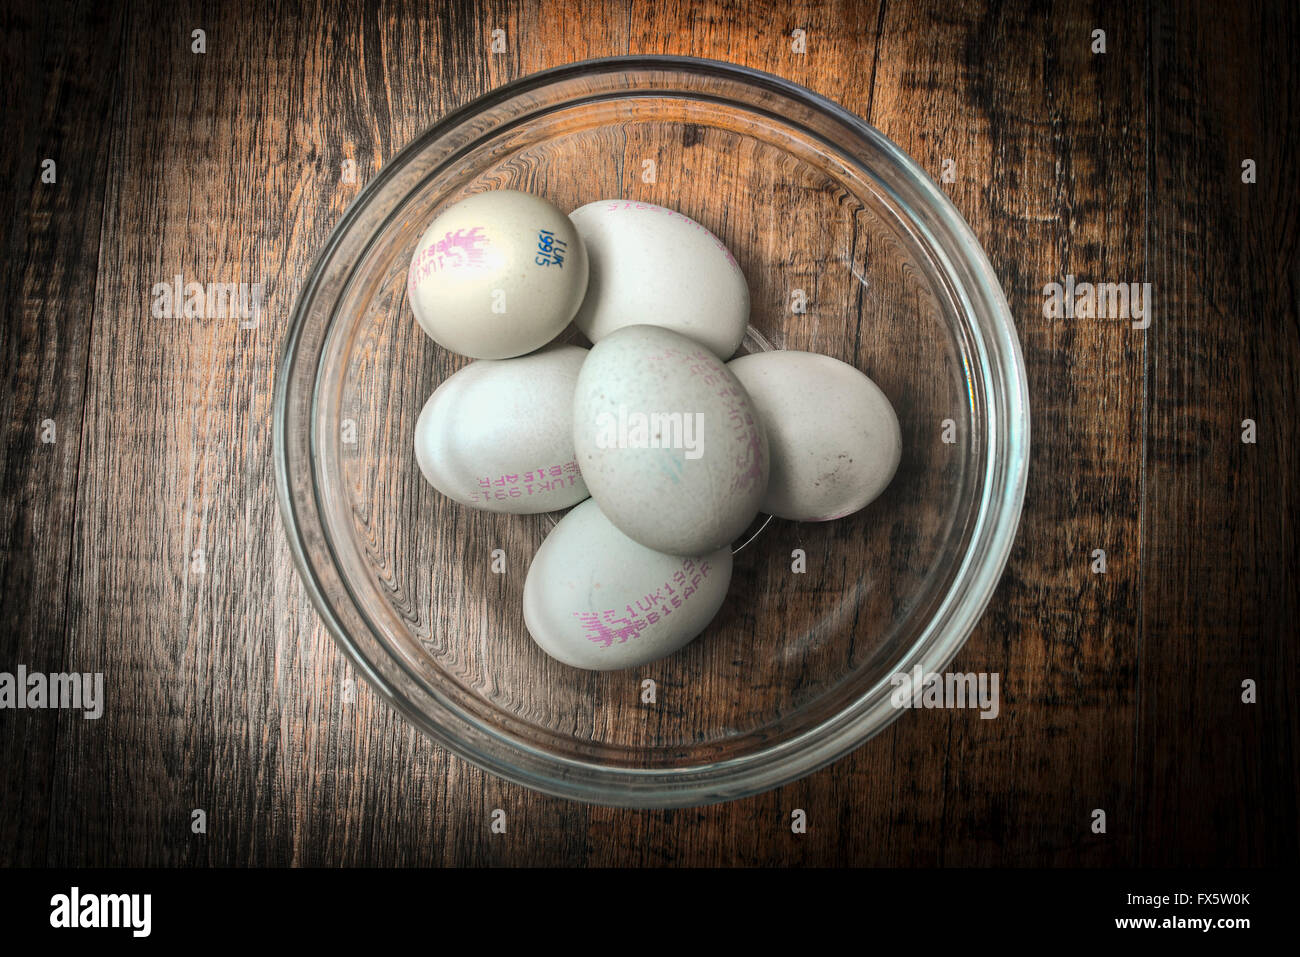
(835,440)
(497,275)
(498,434)
(595,599)
(651,265)
(668,441)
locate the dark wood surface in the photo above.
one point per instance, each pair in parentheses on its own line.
(1120,691)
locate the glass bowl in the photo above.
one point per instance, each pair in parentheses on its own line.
(850,250)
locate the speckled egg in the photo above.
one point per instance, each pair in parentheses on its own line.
(596,599)
(668,441)
(498,434)
(499,274)
(835,440)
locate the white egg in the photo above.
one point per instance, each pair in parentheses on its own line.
(668,441)
(595,599)
(653,266)
(499,274)
(835,440)
(498,434)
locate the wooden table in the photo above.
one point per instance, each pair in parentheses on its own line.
(1122,691)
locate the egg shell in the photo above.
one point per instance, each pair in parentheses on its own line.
(497,275)
(685,488)
(835,440)
(595,599)
(489,429)
(651,265)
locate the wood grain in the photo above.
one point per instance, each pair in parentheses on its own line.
(1049,176)
(1119,691)
(1217,778)
(52,240)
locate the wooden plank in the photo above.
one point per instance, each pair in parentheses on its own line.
(833,55)
(56,108)
(1046,155)
(1217,782)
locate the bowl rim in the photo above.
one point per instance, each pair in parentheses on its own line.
(816,747)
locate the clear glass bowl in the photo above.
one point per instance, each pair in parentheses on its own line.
(817,206)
